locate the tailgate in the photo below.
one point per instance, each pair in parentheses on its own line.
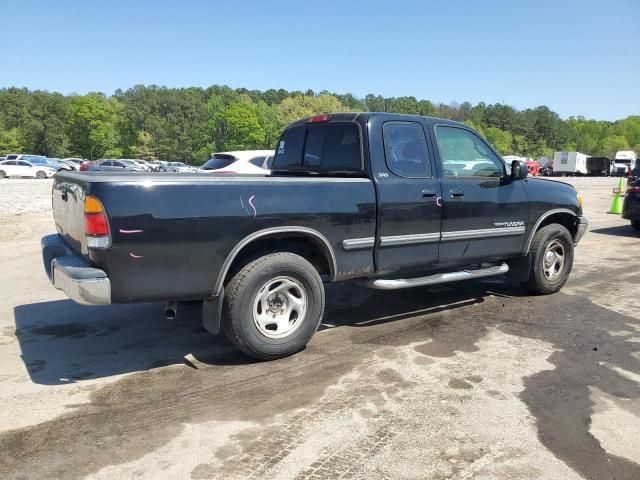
(68,209)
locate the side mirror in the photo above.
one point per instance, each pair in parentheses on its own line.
(519,170)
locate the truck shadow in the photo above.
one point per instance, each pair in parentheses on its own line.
(62,342)
(617,231)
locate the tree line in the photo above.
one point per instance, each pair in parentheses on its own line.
(188,124)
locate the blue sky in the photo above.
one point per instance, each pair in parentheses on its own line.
(577,57)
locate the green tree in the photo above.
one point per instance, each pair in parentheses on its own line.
(243,130)
(501,140)
(10,141)
(144,148)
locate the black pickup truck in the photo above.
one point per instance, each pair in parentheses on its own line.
(394,201)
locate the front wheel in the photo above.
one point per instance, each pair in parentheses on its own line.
(273,306)
(551,259)
(3,174)
(40,174)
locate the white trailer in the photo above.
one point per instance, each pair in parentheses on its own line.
(570,163)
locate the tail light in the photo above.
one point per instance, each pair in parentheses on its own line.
(96,223)
(633,188)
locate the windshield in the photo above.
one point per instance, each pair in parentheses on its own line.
(217,162)
(624,161)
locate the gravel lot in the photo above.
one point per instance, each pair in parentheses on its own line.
(19,196)
(469,380)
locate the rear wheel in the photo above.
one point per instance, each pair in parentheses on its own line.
(3,174)
(41,174)
(636,224)
(273,306)
(551,259)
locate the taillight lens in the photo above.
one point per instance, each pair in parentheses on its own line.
(633,188)
(96,223)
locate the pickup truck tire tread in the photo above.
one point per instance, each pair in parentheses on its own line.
(237,311)
(538,283)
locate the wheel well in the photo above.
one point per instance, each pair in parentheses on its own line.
(566,219)
(306,247)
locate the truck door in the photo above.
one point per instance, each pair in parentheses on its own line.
(408,194)
(484,215)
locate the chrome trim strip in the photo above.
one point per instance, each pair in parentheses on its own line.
(409,239)
(540,219)
(385,284)
(308,232)
(358,243)
(481,233)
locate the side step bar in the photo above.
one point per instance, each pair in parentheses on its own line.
(385,284)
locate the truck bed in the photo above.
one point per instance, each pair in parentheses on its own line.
(171,233)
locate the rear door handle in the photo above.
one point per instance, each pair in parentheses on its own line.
(456,193)
(428,193)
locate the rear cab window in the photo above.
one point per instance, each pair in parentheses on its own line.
(333,147)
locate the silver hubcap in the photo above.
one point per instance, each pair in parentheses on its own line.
(553,262)
(280,307)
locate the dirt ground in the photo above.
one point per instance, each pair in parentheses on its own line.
(472,380)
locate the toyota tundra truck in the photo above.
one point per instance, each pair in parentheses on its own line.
(390,201)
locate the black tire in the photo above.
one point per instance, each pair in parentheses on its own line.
(40,174)
(553,237)
(3,174)
(634,223)
(241,298)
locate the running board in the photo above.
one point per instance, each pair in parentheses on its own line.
(385,284)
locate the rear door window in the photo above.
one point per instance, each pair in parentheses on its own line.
(405,148)
(322,148)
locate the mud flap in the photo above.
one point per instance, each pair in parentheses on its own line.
(212,312)
(519,269)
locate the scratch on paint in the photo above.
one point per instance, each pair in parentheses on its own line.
(241,202)
(255,212)
(133,255)
(128,232)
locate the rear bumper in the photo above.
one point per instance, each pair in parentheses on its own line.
(73,274)
(582,224)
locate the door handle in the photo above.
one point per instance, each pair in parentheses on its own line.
(456,193)
(428,193)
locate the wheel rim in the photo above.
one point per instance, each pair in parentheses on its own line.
(553,260)
(280,307)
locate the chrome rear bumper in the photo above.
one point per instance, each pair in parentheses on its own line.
(73,274)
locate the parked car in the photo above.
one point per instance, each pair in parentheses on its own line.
(631,205)
(374,197)
(158,165)
(248,161)
(180,167)
(141,163)
(109,165)
(22,168)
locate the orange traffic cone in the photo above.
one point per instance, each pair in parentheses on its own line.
(616,205)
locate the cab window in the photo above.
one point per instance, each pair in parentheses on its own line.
(405,148)
(465,154)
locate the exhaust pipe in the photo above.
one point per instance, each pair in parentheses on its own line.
(171,310)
